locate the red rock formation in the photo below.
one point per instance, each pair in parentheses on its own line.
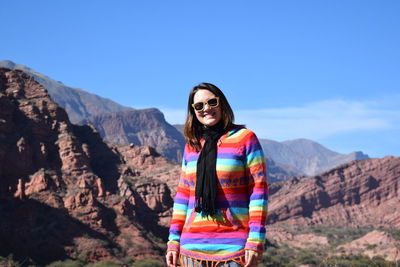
(145,127)
(64,192)
(20,190)
(364,192)
(146,163)
(41,181)
(281,236)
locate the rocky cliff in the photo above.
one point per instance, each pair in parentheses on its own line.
(359,193)
(140,127)
(64,192)
(117,124)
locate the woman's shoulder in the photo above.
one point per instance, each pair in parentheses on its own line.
(240,130)
(241,133)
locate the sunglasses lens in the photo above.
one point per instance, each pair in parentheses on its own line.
(198,106)
(213,102)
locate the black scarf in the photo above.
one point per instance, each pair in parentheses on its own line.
(206,175)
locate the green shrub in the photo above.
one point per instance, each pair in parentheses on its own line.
(393,232)
(356,261)
(104,264)
(370,246)
(66,263)
(9,261)
(306,257)
(148,263)
(285,256)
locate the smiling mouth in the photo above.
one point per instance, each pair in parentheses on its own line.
(212,115)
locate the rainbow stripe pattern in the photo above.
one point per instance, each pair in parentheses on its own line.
(242,200)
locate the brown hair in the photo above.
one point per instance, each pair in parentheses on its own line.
(193,128)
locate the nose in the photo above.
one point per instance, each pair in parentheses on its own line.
(206,107)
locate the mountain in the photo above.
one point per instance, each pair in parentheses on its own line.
(359,193)
(113,121)
(279,172)
(140,127)
(179,127)
(78,103)
(116,123)
(307,156)
(64,192)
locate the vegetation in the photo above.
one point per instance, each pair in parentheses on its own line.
(148,263)
(394,232)
(67,263)
(358,261)
(81,261)
(127,263)
(325,256)
(9,261)
(336,235)
(291,257)
(275,256)
(104,264)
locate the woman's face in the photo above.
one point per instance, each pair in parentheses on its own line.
(208,116)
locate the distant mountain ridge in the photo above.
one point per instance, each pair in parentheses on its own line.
(116,123)
(78,103)
(307,156)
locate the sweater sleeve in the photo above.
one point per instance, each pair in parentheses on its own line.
(258,193)
(179,209)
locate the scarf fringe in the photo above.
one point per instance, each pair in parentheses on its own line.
(194,262)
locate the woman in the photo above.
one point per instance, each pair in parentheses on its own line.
(220,207)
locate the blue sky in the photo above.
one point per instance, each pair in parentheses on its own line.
(324,70)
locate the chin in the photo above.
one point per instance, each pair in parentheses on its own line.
(211,123)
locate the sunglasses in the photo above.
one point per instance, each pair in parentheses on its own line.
(212,103)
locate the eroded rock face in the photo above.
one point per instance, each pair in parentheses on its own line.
(280,236)
(375,243)
(64,191)
(364,192)
(28,129)
(140,127)
(43,181)
(146,163)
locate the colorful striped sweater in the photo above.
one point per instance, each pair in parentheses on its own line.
(242,200)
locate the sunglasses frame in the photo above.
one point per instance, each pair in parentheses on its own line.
(206,102)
